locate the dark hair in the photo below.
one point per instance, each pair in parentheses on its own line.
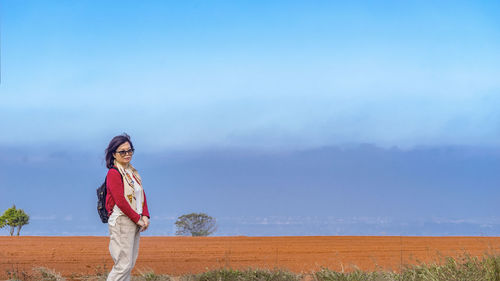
(113,146)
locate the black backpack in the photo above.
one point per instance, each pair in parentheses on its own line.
(101,201)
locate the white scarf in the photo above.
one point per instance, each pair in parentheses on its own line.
(131,196)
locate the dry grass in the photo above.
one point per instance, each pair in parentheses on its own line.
(465,268)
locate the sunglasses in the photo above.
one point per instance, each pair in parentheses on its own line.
(125,152)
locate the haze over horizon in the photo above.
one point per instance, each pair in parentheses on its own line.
(359,190)
(376,117)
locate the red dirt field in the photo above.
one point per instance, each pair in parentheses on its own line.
(183,255)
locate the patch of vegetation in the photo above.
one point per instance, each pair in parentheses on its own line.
(243,275)
(38,274)
(330,275)
(151,276)
(465,268)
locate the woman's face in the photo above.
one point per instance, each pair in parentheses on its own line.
(123,154)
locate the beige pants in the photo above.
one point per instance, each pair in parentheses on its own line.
(124,248)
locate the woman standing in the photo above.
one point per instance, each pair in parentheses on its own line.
(126,205)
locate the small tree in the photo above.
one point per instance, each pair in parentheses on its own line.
(10,218)
(14,218)
(195,224)
(22,219)
(2,222)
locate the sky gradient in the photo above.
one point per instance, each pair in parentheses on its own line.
(392,105)
(267,74)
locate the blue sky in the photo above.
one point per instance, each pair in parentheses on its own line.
(246,73)
(271,77)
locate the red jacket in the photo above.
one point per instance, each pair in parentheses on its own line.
(115,196)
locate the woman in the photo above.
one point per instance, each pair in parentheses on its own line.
(126,205)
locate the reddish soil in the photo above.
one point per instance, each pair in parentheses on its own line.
(182,255)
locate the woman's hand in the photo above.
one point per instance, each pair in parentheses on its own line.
(145,220)
(141,224)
